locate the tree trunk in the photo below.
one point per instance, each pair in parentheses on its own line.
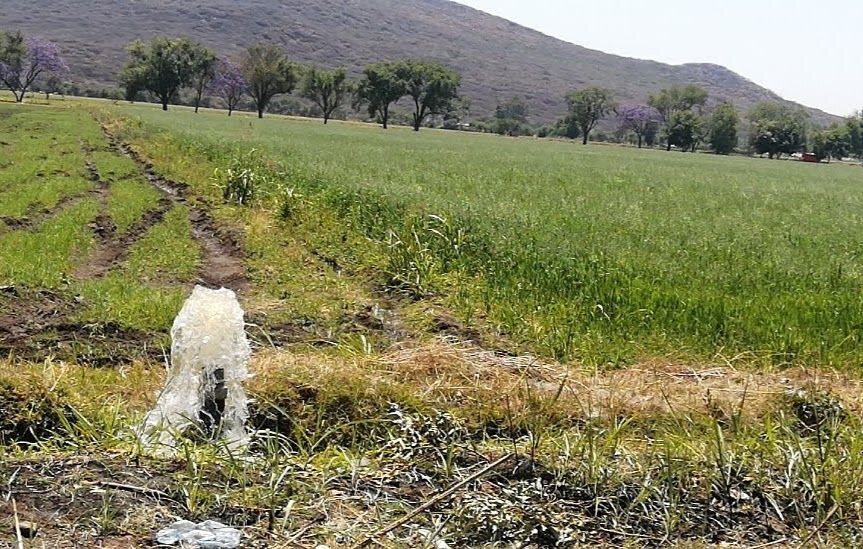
(196,109)
(386,116)
(668,148)
(584,139)
(260,112)
(19,98)
(230,110)
(326,118)
(639,141)
(165,103)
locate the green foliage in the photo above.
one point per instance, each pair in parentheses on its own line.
(587,107)
(380,87)
(510,118)
(432,87)
(204,63)
(268,73)
(684,130)
(162,67)
(683,254)
(566,127)
(675,99)
(242,180)
(854,124)
(833,142)
(777,129)
(678,100)
(13,51)
(723,128)
(326,89)
(515,109)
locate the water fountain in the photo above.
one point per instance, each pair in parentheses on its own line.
(209,363)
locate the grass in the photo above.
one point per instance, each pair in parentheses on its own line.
(601,254)
(45,257)
(134,295)
(129,200)
(166,250)
(386,368)
(25,139)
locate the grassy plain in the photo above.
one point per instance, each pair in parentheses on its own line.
(407,296)
(601,254)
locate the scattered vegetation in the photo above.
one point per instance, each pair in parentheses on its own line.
(439,320)
(505,251)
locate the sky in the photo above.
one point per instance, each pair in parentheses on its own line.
(806,51)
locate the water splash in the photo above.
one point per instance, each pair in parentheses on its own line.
(209,363)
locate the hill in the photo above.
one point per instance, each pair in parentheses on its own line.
(497,58)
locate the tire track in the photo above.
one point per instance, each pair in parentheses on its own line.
(223,261)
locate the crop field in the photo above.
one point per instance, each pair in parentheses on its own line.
(547,344)
(604,254)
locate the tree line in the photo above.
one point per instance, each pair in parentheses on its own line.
(164,66)
(676,117)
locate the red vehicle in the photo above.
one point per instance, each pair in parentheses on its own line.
(809,157)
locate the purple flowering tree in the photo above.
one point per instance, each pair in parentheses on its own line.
(22,61)
(229,84)
(642,120)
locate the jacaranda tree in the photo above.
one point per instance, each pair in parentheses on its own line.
(642,120)
(24,60)
(229,84)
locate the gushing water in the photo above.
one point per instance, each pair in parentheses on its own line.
(209,363)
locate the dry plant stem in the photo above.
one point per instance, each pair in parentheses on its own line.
(824,522)
(131,488)
(433,501)
(18,535)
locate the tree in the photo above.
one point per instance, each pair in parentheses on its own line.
(587,107)
(380,87)
(433,88)
(832,142)
(723,128)
(454,119)
(677,99)
(326,89)
(510,117)
(777,129)
(268,73)
(684,130)
(229,84)
(566,127)
(854,124)
(53,84)
(642,120)
(204,63)
(23,60)
(514,109)
(162,67)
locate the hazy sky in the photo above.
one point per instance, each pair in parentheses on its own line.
(807,51)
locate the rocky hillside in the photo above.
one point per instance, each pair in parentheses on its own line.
(497,58)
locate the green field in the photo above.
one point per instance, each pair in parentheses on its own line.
(655,349)
(603,254)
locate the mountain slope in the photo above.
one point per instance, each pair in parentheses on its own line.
(497,58)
